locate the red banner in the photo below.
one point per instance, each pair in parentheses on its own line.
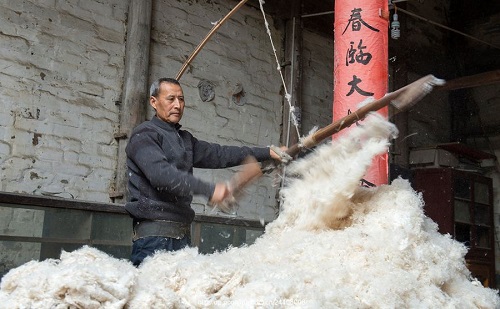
(361,65)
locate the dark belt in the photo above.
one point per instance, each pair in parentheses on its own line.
(161,228)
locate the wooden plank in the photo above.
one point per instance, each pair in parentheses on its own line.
(14,199)
(76,241)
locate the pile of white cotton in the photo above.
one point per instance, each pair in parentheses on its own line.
(86,278)
(335,245)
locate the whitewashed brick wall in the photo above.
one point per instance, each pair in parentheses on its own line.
(239,53)
(62,69)
(62,76)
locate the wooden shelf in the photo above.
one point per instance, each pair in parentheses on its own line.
(461,203)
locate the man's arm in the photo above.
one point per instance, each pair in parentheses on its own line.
(211,155)
(146,152)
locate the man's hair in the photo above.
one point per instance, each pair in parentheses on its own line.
(155,86)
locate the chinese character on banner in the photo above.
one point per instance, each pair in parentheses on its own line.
(361,64)
(358,55)
(356,21)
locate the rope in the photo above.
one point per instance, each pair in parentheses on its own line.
(291,114)
(288,96)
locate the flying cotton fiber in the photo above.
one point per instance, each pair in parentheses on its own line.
(335,245)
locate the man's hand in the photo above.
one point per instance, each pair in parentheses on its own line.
(279,154)
(222,198)
(221,192)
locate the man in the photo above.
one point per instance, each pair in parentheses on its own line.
(160,159)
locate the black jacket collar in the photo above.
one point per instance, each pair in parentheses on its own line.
(165,125)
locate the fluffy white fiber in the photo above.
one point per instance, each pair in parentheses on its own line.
(335,245)
(86,278)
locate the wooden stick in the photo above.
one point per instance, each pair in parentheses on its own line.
(207,37)
(401,100)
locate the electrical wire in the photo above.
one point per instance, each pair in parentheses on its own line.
(446,27)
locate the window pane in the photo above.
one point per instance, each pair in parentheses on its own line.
(483,237)
(111,227)
(481,193)
(15,253)
(462,233)
(462,212)
(482,214)
(461,186)
(215,237)
(67,223)
(21,222)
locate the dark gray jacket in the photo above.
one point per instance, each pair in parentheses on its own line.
(160,160)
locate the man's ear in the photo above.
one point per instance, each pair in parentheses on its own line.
(153,101)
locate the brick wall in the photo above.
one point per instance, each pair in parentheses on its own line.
(62,75)
(238,56)
(62,68)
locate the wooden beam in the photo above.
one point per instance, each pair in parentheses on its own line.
(477,80)
(135,86)
(8,199)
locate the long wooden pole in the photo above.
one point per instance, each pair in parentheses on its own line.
(401,100)
(207,37)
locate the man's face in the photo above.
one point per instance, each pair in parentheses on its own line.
(169,104)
